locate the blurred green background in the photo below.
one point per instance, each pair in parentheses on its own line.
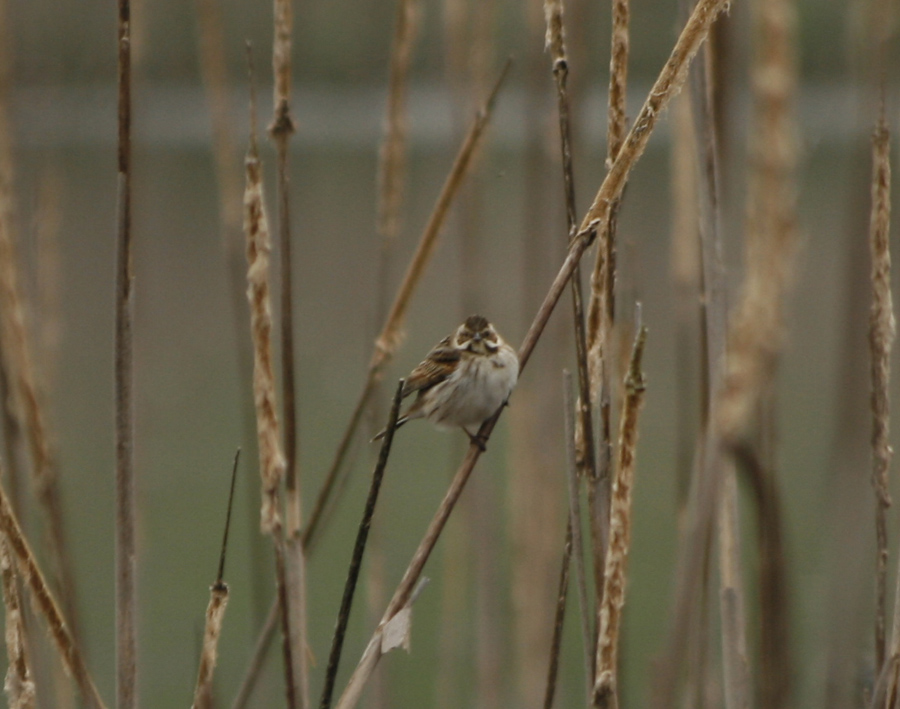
(188,407)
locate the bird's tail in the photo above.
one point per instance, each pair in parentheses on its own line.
(381,434)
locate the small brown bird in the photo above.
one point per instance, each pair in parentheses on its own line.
(465,378)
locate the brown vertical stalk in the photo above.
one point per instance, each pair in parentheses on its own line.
(46,605)
(391,334)
(271,459)
(281,129)
(606,691)
(881,337)
(126,587)
(602,305)
(19,686)
(587,463)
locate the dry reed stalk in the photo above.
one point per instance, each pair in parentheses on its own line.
(587,461)
(126,554)
(587,611)
(358,551)
(392,333)
(606,691)
(271,459)
(45,603)
(602,304)
(881,336)
(18,685)
(259,246)
(215,614)
(281,129)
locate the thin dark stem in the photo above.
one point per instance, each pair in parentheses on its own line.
(126,612)
(359,548)
(559,618)
(234,469)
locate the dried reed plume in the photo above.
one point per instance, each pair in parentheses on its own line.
(606,692)
(215,614)
(19,686)
(46,605)
(881,338)
(391,335)
(259,246)
(126,555)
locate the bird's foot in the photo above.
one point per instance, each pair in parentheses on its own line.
(478,440)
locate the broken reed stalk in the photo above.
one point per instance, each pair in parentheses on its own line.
(588,612)
(559,617)
(215,614)
(881,336)
(19,685)
(606,689)
(586,456)
(392,333)
(271,459)
(669,82)
(126,571)
(754,340)
(46,605)
(359,548)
